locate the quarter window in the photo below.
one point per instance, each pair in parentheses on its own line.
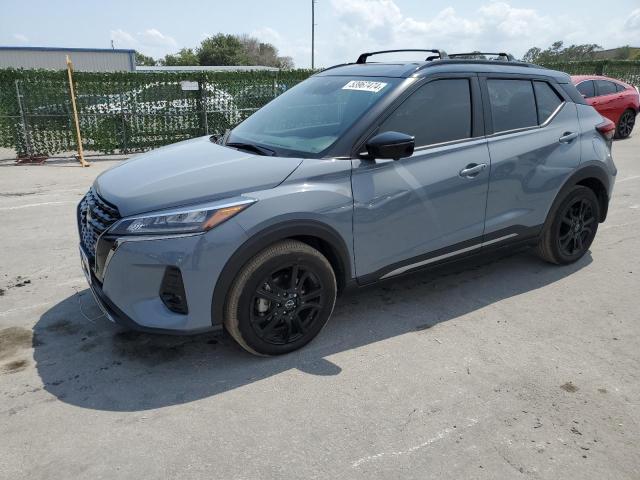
(437,112)
(586,89)
(547,100)
(513,104)
(605,87)
(620,88)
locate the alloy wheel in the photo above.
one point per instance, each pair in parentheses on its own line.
(286,304)
(626,123)
(577,227)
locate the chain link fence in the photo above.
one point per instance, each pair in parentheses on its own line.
(128,112)
(132,112)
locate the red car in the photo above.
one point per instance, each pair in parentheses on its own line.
(613,99)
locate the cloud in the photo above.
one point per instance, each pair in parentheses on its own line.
(633,21)
(268,35)
(123,39)
(151,41)
(20,37)
(496,25)
(153,37)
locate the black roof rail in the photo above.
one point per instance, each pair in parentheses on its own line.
(441,54)
(472,55)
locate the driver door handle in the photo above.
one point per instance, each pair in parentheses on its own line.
(472,170)
(568,137)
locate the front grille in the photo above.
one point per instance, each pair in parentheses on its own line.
(94,217)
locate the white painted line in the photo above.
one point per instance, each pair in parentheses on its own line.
(22,309)
(439,436)
(635,177)
(29,205)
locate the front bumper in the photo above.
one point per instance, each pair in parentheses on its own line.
(112,312)
(127,288)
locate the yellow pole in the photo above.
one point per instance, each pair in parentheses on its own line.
(83,162)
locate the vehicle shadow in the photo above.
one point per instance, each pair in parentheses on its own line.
(88,362)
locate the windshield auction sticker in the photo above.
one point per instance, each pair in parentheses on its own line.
(364,86)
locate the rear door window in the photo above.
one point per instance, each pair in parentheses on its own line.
(513,104)
(587,89)
(437,112)
(605,87)
(547,100)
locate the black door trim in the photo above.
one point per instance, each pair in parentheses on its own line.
(515,235)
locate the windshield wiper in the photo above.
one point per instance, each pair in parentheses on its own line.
(252,148)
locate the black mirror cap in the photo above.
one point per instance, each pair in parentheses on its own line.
(393,145)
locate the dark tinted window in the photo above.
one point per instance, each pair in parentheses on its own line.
(512,104)
(605,87)
(437,112)
(586,89)
(620,88)
(547,100)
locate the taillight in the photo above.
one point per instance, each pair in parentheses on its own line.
(607,128)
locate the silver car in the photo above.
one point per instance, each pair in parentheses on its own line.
(361,173)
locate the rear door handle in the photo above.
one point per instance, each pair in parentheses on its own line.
(472,170)
(568,137)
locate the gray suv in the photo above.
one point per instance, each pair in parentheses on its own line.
(361,173)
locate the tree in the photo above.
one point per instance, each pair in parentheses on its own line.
(142,59)
(186,57)
(225,49)
(557,52)
(532,55)
(222,49)
(260,53)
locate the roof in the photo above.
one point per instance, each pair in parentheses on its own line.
(421,69)
(71,49)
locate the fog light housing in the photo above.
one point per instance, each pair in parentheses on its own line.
(172,291)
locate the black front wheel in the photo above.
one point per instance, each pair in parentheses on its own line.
(625,124)
(571,227)
(280,299)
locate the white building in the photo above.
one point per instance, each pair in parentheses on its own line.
(84,59)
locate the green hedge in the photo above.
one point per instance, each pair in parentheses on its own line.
(128,112)
(626,70)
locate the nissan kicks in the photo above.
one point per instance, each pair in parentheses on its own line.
(363,172)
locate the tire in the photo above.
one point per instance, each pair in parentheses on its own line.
(267,313)
(571,228)
(625,124)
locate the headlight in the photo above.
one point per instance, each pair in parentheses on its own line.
(187,220)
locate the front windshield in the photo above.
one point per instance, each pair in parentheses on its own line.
(310,117)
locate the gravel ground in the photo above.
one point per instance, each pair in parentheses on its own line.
(504,368)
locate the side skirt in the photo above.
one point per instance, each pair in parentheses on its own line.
(512,237)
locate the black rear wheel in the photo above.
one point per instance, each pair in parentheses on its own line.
(281,299)
(572,227)
(625,124)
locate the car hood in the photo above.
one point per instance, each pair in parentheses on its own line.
(189,172)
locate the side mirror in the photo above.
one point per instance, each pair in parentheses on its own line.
(394,145)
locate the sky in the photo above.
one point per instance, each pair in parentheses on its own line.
(344,27)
